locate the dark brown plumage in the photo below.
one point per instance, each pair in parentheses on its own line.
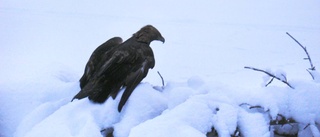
(95,59)
(123,65)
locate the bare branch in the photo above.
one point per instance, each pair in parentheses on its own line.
(271,75)
(284,76)
(305,50)
(161,78)
(306,126)
(254,107)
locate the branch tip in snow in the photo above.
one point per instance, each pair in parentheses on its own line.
(271,75)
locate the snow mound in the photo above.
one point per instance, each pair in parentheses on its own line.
(82,118)
(190,108)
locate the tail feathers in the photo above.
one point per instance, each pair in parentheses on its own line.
(90,89)
(98,92)
(97,95)
(82,94)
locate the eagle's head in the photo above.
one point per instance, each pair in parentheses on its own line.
(147,34)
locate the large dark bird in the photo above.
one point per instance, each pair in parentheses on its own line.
(123,65)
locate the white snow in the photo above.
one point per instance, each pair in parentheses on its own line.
(46,44)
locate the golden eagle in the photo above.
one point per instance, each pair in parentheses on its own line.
(116,65)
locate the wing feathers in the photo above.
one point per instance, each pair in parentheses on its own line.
(93,63)
(132,82)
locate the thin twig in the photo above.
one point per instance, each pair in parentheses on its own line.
(252,107)
(271,75)
(161,78)
(310,73)
(306,126)
(305,50)
(269,81)
(285,78)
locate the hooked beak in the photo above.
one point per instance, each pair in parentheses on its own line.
(161,39)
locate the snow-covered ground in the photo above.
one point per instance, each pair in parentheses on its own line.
(46,44)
